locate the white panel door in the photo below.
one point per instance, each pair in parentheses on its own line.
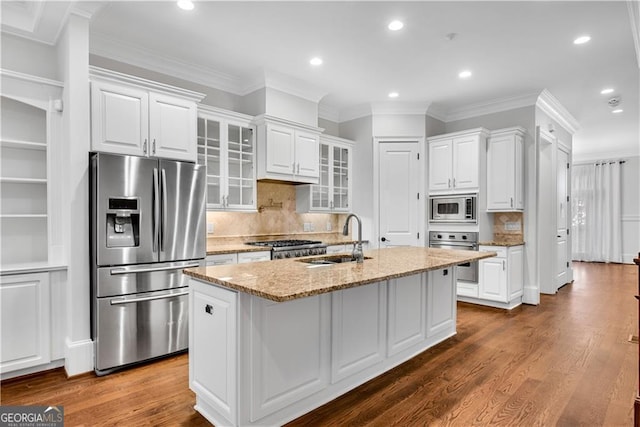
(440,165)
(172,127)
(280,150)
(465,163)
(307,153)
(119,119)
(562,220)
(399,199)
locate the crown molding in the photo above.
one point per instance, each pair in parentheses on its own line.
(30,78)
(492,106)
(142,57)
(400,108)
(355,112)
(437,112)
(293,86)
(595,156)
(551,106)
(328,112)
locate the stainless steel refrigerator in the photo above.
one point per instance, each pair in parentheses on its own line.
(147,224)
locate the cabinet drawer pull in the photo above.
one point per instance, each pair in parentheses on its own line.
(208,309)
(154,146)
(144,146)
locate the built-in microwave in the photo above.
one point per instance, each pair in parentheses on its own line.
(453,208)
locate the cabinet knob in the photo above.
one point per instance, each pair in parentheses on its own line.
(384,239)
(208,309)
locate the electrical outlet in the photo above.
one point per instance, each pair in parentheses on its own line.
(512,226)
(329,226)
(209,228)
(307,226)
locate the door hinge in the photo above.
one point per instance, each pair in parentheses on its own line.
(418,235)
(567,231)
(567,165)
(567,264)
(418,156)
(418,196)
(567,198)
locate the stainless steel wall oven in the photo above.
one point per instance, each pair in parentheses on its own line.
(462,241)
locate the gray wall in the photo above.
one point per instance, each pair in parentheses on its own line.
(214,97)
(330,128)
(29,57)
(434,127)
(360,130)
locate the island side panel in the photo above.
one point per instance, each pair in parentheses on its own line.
(213,351)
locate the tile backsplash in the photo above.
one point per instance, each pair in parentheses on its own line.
(278,216)
(508,224)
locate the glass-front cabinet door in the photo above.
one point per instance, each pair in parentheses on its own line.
(332,192)
(320,192)
(340,178)
(240,167)
(227,148)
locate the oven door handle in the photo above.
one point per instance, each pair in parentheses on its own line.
(130,270)
(141,299)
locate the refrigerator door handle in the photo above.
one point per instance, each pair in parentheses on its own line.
(130,270)
(132,300)
(163,231)
(156,209)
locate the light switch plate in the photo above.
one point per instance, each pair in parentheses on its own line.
(210,228)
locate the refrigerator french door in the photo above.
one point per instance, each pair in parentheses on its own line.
(147,224)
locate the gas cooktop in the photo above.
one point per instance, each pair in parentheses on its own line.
(284,243)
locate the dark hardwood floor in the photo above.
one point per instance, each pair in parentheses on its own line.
(566,362)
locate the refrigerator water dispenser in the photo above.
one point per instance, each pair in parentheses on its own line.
(123,223)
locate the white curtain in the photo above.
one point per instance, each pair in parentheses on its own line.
(596,206)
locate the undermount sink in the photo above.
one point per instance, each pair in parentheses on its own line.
(330,259)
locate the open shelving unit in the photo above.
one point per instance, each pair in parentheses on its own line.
(23,186)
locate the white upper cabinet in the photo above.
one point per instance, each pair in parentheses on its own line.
(505,164)
(226,145)
(287,151)
(333,191)
(134,116)
(454,161)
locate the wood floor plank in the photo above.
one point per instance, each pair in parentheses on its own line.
(565,362)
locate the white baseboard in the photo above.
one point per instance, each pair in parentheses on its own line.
(628,258)
(79,357)
(531,296)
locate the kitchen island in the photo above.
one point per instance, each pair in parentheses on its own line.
(270,341)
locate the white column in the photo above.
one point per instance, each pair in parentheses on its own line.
(73,54)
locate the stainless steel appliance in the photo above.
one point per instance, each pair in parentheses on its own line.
(147,224)
(467,272)
(453,208)
(292,248)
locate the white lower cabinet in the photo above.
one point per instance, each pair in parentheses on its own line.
(25,321)
(290,352)
(255,362)
(406,312)
(357,329)
(237,258)
(441,297)
(501,278)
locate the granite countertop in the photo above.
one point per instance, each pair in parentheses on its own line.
(217,246)
(288,279)
(506,243)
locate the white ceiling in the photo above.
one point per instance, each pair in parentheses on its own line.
(513,48)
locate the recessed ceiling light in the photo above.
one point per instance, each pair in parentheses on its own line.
(464,74)
(316,61)
(606,91)
(395,25)
(393,94)
(185,4)
(582,40)
(619,110)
